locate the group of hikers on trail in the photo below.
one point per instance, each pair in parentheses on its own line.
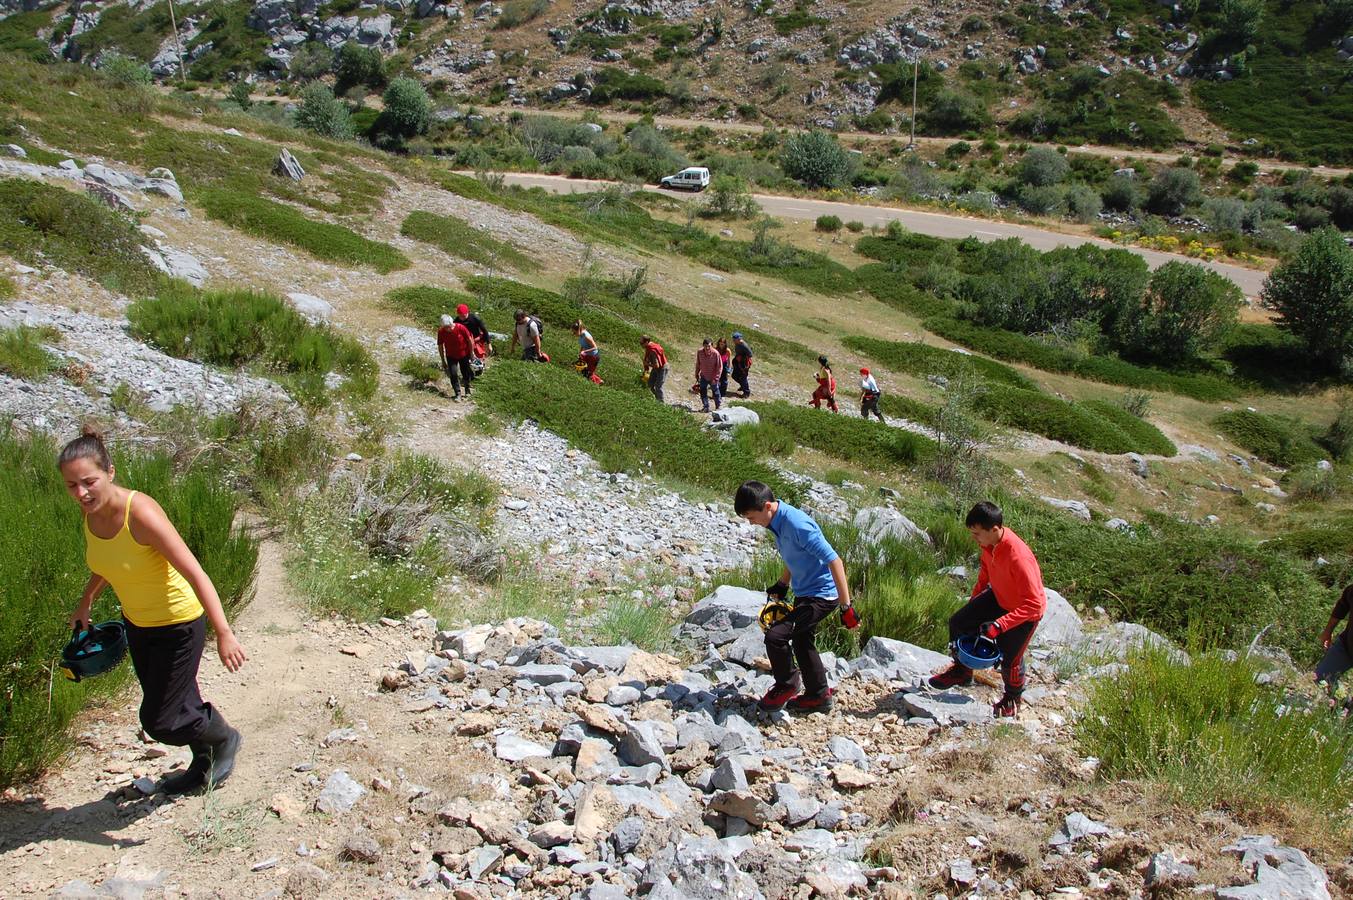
(464,339)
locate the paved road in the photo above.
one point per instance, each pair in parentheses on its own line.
(938,224)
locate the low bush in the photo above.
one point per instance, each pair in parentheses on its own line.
(623,431)
(924,359)
(616,84)
(894,289)
(420,370)
(284,225)
(1057,419)
(845,437)
(462,240)
(1212,735)
(1206,586)
(765,439)
(240,328)
(1031,351)
(42,572)
(321,112)
(22,354)
(1274,439)
(1146,437)
(816,159)
(829,224)
(40,223)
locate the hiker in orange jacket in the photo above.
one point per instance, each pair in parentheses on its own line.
(1006,606)
(826,386)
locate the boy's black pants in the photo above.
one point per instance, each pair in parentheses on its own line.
(794,638)
(166,658)
(984,608)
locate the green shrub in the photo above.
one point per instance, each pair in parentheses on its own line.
(8,288)
(845,437)
(1185,310)
(616,84)
(239,328)
(1173,190)
(239,94)
(893,289)
(407,112)
(1015,347)
(519,12)
(854,227)
(284,225)
(463,241)
(924,359)
(1312,291)
(18,35)
(1145,437)
(1054,418)
(816,159)
(421,371)
(40,223)
(830,224)
(1043,166)
(319,111)
(1213,736)
(1193,584)
(765,439)
(426,305)
(124,70)
(1275,439)
(1338,438)
(42,572)
(622,430)
(358,66)
(22,354)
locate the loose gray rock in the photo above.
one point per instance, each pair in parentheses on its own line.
(287,166)
(947,708)
(1075,828)
(623,695)
(899,661)
(543,675)
(1280,873)
(1077,508)
(696,868)
(340,794)
(626,835)
(485,861)
(515,748)
(1138,463)
(642,745)
(843,749)
(1166,867)
(729,776)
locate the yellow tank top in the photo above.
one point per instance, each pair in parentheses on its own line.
(152,592)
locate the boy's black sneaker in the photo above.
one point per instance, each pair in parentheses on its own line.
(819,703)
(779,695)
(957,675)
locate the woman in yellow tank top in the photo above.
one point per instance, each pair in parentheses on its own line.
(166,599)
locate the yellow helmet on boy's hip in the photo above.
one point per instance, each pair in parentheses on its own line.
(774,612)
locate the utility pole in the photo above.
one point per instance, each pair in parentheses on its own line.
(915,73)
(178,48)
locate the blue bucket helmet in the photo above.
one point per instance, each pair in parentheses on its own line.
(977,652)
(94,651)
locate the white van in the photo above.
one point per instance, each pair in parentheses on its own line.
(693,178)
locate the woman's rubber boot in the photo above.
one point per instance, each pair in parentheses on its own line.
(193,777)
(223,742)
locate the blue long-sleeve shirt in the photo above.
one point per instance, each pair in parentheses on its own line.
(805,551)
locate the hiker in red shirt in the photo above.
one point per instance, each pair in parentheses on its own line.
(655,365)
(1007,604)
(826,386)
(455,346)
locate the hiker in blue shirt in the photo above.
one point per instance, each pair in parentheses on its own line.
(818,577)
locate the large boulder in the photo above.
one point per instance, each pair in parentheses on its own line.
(733,416)
(287,166)
(1114,643)
(1077,508)
(877,523)
(721,617)
(1279,872)
(177,264)
(899,661)
(1061,625)
(312,308)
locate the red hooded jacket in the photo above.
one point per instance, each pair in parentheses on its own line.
(455,341)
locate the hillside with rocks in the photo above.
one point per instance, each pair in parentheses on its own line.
(825,64)
(507,645)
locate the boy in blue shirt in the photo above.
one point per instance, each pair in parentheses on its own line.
(818,577)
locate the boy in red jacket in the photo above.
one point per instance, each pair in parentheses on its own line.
(1007,604)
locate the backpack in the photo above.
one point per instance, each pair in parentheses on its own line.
(540,326)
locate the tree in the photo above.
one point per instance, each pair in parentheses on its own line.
(358,65)
(1043,166)
(323,113)
(1312,292)
(408,112)
(729,199)
(1240,20)
(815,159)
(1172,190)
(1185,309)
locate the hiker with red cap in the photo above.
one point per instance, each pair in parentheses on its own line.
(1006,606)
(826,386)
(869,395)
(478,332)
(455,346)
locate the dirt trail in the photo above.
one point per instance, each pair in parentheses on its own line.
(297,688)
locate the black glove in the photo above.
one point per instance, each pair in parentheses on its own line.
(779,590)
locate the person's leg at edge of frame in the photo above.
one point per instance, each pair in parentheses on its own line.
(1334,663)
